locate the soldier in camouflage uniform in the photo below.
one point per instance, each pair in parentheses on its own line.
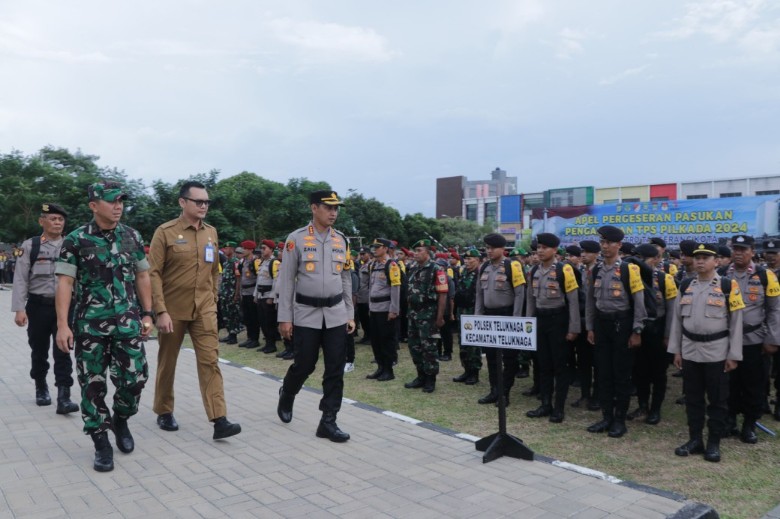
(427,298)
(465,298)
(106,261)
(229,290)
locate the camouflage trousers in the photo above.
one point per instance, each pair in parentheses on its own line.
(470,356)
(423,348)
(124,358)
(231,312)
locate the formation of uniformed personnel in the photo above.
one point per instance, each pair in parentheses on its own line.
(500,291)
(33,304)
(105,261)
(615,314)
(706,340)
(184,275)
(249,310)
(265,295)
(427,297)
(553,298)
(230,293)
(384,296)
(760,335)
(465,300)
(652,360)
(315,310)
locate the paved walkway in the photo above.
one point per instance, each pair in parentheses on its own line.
(391,468)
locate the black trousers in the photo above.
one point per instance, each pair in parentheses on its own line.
(306,345)
(746,391)
(614,360)
(552,352)
(508,356)
(41,333)
(585,368)
(383,339)
(268,321)
(700,378)
(445,343)
(364,318)
(651,363)
(251,317)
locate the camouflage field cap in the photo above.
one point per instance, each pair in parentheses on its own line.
(106,190)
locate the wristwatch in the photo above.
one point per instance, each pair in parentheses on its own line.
(147,314)
(638,330)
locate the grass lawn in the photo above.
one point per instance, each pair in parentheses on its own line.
(745,484)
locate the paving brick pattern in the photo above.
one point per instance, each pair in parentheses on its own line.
(389,469)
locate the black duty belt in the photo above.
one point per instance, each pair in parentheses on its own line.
(549,312)
(750,328)
(264,288)
(705,337)
(41,300)
(250,285)
(614,316)
(380,299)
(318,302)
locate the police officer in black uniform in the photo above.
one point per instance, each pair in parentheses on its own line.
(33,304)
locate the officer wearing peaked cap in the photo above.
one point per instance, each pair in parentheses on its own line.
(760,334)
(315,310)
(33,300)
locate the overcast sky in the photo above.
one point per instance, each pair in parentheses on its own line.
(384,97)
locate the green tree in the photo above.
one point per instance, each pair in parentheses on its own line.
(461,233)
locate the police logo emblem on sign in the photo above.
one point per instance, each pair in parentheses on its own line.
(529,327)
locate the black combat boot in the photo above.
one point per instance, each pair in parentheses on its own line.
(776,414)
(604,424)
(557,415)
(543,410)
(42,396)
(232,339)
(462,377)
(748,433)
(693,446)
(490,398)
(387,374)
(731,426)
(473,377)
(639,412)
(124,440)
(618,427)
(224,429)
(375,374)
(64,405)
(104,454)
(430,384)
(712,452)
(417,382)
(285,407)
(328,428)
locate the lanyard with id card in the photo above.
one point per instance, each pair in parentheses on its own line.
(209,256)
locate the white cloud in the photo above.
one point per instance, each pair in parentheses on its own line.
(621,76)
(762,41)
(570,44)
(19,42)
(331,41)
(721,20)
(518,14)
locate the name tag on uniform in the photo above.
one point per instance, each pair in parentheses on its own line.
(209,257)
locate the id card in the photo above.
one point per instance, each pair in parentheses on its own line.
(209,253)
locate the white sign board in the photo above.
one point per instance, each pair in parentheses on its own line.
(493,331)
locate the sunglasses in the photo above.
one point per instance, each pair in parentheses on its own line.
(199,203)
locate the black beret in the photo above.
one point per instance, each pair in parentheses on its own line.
(647,250)
(772,245)
(548,239)
(611,233)
(724,251)
(364,250)
(687,246)
(674,254)
(626,248)
(742,240)
(533,245)
(53,209)
(573,250)
(658,241)
(326,197)
(590,246)
(495,240)
(706,248)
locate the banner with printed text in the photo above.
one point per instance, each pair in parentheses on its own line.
(490,331)
(701,220)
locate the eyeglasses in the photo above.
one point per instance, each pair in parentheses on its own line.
(199,203)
